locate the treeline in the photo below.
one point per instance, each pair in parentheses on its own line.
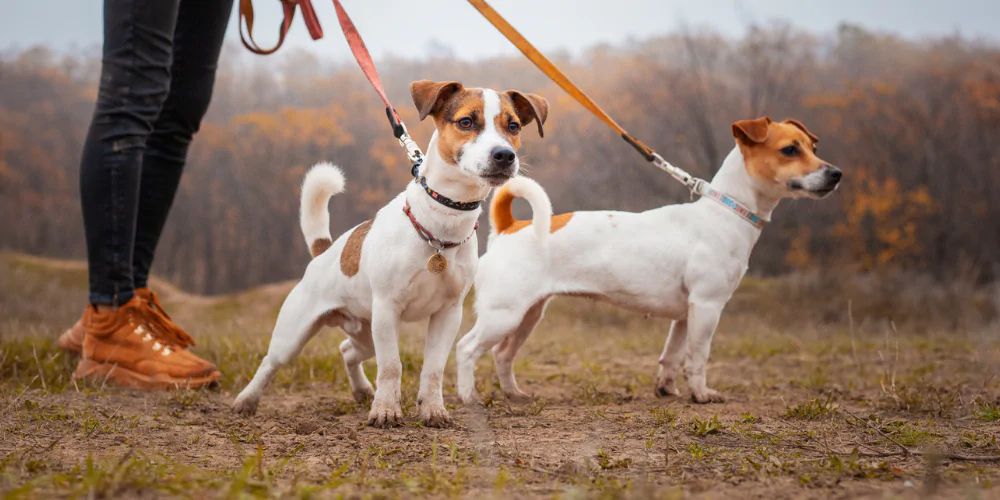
(914,125)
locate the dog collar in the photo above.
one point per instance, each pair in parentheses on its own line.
(466,206)
(428,237)
(737,207)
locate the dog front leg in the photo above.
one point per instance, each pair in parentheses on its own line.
(670,360)
(441,332)
(386,410)
(702,321)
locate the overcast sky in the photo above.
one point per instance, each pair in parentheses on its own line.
(415,27)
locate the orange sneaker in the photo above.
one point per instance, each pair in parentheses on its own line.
(123,347)
(72,340)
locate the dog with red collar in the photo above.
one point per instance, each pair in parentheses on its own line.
(414,261)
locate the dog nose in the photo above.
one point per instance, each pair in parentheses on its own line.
(503,157)
(834,173)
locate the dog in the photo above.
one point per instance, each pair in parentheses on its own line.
(682,262)
(414,261)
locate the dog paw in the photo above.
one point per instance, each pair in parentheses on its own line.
(245,405)
(706,396)
(364,394)
(384,415)
(667,392)
(518,396)
(667,387)
(435,416)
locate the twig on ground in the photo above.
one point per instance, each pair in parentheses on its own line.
(907,452)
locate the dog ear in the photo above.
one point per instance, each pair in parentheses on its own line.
(750,132)
(803,128)
(530,107)
(428,95)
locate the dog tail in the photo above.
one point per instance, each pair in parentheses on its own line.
(501,216)
(320,184)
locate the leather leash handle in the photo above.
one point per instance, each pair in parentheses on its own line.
(288,6)
(556,75)
(309,16)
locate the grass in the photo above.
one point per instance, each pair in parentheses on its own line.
(815,408)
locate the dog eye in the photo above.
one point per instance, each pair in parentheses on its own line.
(465,123)
(514,127)
(789,150)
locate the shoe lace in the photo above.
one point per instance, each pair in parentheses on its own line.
(142,329)
(170,330)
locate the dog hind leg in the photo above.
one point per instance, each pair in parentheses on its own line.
(356,349)
(301,316)
(491,327)
(505,351)
(670,360)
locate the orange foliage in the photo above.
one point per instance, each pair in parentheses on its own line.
(881,220)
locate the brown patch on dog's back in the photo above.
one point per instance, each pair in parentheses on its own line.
(350,258)
(558,221)
(319,246)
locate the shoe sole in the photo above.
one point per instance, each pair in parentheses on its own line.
(101,372)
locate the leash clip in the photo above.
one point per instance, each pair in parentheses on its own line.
(398,129)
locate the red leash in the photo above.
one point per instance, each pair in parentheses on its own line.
(288,6)
(364,59)
(358,48)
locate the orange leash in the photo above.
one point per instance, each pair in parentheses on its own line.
(543,63)
(555,74)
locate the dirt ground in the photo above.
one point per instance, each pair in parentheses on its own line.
(843,406)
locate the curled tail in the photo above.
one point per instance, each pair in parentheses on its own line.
(320,184)
(501,217)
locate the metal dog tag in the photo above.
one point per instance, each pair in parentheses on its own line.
(437,264)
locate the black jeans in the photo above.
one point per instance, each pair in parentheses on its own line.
(157,75)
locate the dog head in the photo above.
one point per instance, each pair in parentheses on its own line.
(782,158)
(479,130)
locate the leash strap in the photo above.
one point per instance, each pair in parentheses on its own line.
(697,186)
(550,69)
(360,51)
(288,6)
(413,152)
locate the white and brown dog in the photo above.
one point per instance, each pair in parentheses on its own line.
(681,261)
(380,273)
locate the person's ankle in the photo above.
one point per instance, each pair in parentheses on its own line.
(104,308)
